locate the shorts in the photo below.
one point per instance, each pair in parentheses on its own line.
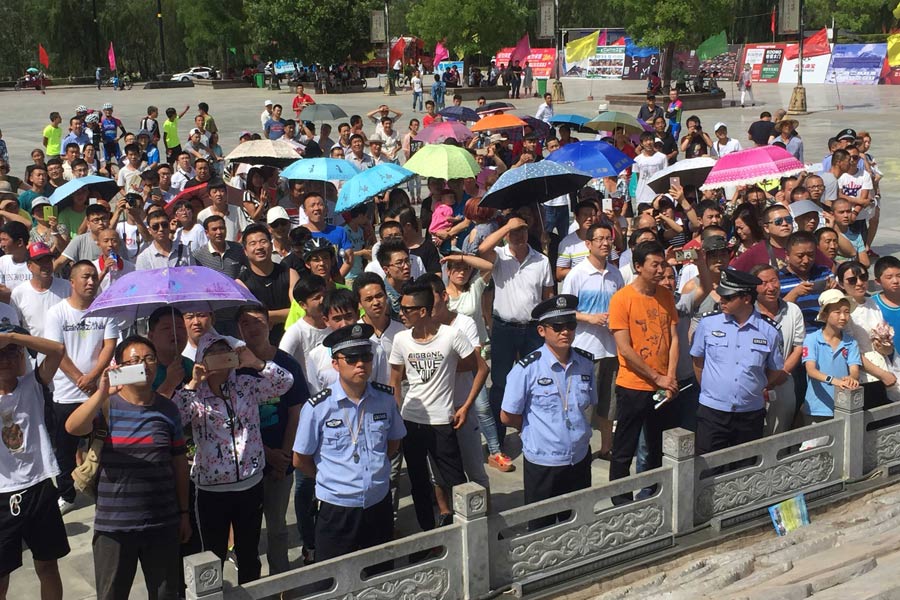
(605,370)
(31,516)
(111,150)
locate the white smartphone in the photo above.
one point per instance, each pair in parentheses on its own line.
(128,374)
(607,204)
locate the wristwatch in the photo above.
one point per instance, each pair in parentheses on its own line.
(829,379)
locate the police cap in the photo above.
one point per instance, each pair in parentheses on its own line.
(351,340)
(737,282)
(558,309)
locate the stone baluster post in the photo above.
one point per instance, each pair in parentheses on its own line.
(678,454)
(470,508)
(848,406)
(203,576)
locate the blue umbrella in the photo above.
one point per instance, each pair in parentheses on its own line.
(460,113)
(370,183)
(320,169)
(105,187)
(576,120)
(597,158)
(533,182)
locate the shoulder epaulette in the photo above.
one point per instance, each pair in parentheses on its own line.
(319,396)
(769,320)
(527,360)
(382,388)
(711,313)
(584,353)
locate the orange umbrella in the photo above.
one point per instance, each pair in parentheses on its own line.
(495,122)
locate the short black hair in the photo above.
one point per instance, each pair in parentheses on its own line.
(388,225)
(367,278)
(299,235)
(641,251)
(131,340)
(822,231)
(95,209)
(132,148)
(421,293)
(308,285)
(387,248)
(339,300)
(705,205)
(203,106)
(255,228)
(212,219)
(16,231)
(884,263)
(433,281)
(799,237)
(163,311)
(256,309)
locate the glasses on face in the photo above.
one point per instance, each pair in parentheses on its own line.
(779,221)
(560,327)
(853,280)
(359,358)
(602,240)
(158,226)
(815,187)
(408,309)
(399,264)
(98,220)
(150,359)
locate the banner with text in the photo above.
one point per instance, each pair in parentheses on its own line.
(540,60)
(856,64)
(764,60)
(446,65)
(814,69)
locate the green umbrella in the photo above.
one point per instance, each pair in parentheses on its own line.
(610,120)
(443,161)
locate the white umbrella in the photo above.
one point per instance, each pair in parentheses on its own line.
(272,153)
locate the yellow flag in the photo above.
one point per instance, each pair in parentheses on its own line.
(893,50)
(582,47)
(897,11)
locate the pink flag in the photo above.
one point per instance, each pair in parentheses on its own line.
(521,51)
(601,41)
(440,53)
(112,57)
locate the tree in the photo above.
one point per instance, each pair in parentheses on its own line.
(323,31)
(674,23)
(469,26)
(211,28)
(858,16)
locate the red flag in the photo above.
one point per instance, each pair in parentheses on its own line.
(43,58)
(619,42)
(111,55)
(814,45)
(521,51)
(397,52)
(601,41)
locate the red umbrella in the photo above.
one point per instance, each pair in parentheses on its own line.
(198,195)
(436,133)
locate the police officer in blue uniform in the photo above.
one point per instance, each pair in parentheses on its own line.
(345,439)
(737,355)
(549,395)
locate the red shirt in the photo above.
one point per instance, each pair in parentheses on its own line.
(300,100)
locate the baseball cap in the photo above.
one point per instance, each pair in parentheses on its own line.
(244,134)
(39,201)
(38,249)
(801,207)
(277,213)
(719,126)
(268,103)
(829,297)
(193,131)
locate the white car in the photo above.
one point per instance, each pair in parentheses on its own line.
(194,73)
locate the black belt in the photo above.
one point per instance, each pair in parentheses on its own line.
(518,324)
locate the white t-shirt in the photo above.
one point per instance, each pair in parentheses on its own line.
(83,339)
(468,303)
(32,306)
(129,178)
(131,238)
(431,372)
(571,251)
(720,150)
(519,286)
(464,380)
(26,457)
(646,167)
(416,84)
(299,340)
(235,221)
(13,274)
(195,238)
(863,320)
(852,185)
(386,341)
(594,289)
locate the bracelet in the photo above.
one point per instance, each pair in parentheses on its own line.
(829,379)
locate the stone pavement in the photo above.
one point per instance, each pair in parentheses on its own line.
(870,108)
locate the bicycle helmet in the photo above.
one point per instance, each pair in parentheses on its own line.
(92,118)
(81,108)
(107,106)
(314,245)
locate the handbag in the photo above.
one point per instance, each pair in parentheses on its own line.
(86,474)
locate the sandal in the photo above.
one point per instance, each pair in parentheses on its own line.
(501,462)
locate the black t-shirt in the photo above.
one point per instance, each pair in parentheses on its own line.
(647,114)
(669,145)
(696,147)
(761,131)
(272,291)
(430,256)
(273,414)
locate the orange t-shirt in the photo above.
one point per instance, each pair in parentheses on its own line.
(649,320)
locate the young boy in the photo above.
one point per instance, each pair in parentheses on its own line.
(887,275)
(308,332)
(362,238)
(170,133)
(831,357)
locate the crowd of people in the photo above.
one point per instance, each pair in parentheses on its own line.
(417,328)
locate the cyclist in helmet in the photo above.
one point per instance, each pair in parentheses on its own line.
(109,128)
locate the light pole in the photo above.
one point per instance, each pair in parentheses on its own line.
(797,105)
(558,94)
(162,42)
(387,52)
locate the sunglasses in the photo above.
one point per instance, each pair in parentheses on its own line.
(560,327)
(782,221)
(359,358)
(408,309)
(853,280)
(158,226)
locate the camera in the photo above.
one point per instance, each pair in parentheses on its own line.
(132,199)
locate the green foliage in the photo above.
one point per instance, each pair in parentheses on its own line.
(470,26)
(684,23)
(210,28)
(324,31)
(859,16)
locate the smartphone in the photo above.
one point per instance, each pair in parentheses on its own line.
(92,202)
(674,182)
(221,362)
(156,192)
(607,204)
(128,374)
(685,255)
(48,212)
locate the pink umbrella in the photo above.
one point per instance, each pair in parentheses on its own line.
(436,133)
(751,166)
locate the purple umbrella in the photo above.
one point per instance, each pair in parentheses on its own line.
(190,289)
(537,126)
(436,133)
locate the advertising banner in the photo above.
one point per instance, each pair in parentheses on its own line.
(377,29)
(856,64)
(540,60)
(814,69)
(546,19)
(608,63)
(446,65)
(640,66)
(764,60)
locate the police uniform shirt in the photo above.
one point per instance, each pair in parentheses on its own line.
(552,435)
(322,374)
(353,475)
(736,358)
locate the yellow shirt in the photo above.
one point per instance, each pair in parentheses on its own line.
(54,140)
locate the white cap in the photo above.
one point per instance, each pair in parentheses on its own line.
(802,207)
(267,103)
(277,213)
(193,131)
(719,126)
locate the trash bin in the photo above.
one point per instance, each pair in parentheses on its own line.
(260,80)
(541,87)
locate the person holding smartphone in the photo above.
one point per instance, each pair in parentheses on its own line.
(221,402)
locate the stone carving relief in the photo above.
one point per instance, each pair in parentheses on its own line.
(428,584)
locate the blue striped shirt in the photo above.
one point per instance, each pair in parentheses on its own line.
(821,278)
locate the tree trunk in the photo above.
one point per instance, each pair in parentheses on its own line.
(668,61)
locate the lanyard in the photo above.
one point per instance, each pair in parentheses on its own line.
(565,397)
(354,435)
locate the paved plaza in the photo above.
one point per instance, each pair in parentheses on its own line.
(869,108)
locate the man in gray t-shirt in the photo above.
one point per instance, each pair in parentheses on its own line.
(84,246)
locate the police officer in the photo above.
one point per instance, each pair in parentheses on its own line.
(737,354)
(548,395)
(346,436)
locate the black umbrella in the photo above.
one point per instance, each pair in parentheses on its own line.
(533,182)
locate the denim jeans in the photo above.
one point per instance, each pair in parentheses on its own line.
(417,99)
(556,217)
(509,343)
(304,508)
(486,421)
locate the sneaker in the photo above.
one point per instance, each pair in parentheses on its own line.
(65,506)
(309,555)
(232,557)
(445,519)
(501,462)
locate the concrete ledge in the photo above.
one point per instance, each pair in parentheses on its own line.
(222,84)
(473,93)
(161,85)
(690,101)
